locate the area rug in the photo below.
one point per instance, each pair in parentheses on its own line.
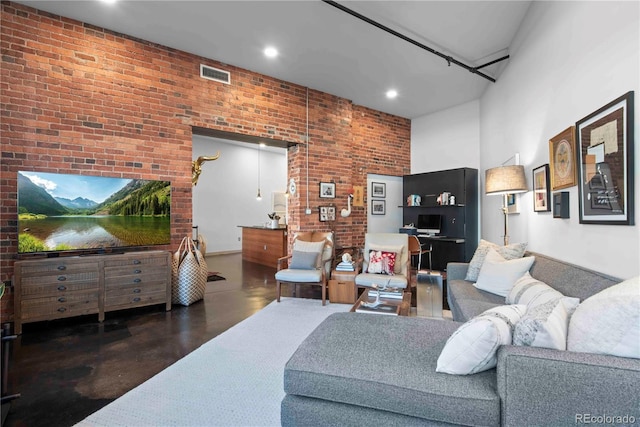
(213,276)
(233,380)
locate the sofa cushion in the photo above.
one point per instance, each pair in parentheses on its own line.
(515,250)
(545,325)
(466,301)
(569,279)
(362,360)
(608,322)
(498,275)
(370,279)
(299,276)
(473,347)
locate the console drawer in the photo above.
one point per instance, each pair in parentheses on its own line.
(64,305)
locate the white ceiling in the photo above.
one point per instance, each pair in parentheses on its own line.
(324,48)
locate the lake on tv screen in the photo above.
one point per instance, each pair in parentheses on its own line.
(90,232)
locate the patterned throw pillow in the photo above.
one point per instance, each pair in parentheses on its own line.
(381,262)
(398,250)
(473,346)
(533,292)
(513,251)
(546,325)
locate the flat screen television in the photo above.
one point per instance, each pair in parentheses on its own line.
(429,224)
(68,212)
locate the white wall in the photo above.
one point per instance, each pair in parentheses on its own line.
(447,139)
(568,60)
(392,220)
(225,196)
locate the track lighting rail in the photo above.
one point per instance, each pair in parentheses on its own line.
(450,60)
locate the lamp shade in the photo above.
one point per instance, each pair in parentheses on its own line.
(505,180)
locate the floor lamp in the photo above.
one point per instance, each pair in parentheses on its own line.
(502,181)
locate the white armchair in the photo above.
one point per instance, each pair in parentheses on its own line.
(388,242)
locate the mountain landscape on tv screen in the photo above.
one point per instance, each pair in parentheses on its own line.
(136,213)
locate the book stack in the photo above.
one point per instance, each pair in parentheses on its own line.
(386,294)
(388,309)
(346,266)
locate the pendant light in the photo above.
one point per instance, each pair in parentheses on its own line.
(259,196)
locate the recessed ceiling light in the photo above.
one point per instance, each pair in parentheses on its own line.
(108,1)
(391,93)
(271,52)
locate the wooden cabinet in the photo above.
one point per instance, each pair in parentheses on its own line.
(459,221)
(55,288)
(342,287)
(264,245)
(136,281)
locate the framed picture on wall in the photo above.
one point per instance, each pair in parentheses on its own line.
(378,190)
(328,190)
(541,191)
(512,204)
(378,207)
(327,213)
(562,157)
(605,162)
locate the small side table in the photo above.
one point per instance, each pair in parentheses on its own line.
(429,294)
(342,287)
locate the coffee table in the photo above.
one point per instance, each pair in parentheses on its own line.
(404,304)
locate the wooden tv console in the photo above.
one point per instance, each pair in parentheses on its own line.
(55,288)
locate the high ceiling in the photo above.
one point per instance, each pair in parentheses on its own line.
(324,48)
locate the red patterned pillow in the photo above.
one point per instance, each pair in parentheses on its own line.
(381,262)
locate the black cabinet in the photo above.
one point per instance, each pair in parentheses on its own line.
(459,221)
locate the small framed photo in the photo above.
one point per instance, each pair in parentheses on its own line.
(562,156)
(378,190)
(327,213)
(378,207)
(328,190)
(541,189)
(512,204)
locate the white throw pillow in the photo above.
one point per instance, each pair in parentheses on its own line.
(473,346)
(545,325)
(533,292)
(498,275)
(608,322)
(512,251)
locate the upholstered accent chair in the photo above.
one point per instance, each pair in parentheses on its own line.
(385,244)
(309,263)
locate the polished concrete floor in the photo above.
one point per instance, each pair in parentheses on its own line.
(67,369)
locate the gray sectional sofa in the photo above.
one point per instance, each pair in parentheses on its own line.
(360,369)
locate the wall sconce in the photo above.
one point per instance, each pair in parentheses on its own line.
(502,181)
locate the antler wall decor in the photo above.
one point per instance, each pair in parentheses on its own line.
(196,166)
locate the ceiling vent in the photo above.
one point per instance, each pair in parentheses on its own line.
(215,74)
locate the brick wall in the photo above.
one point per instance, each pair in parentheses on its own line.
(75,98)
